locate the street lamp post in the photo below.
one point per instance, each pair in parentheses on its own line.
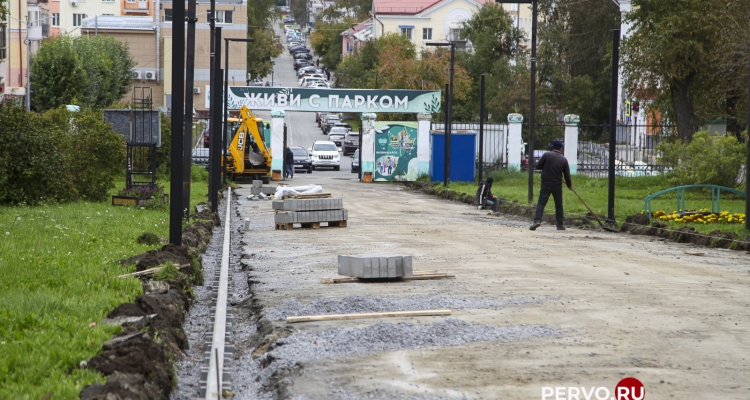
(449,108)
(226,96)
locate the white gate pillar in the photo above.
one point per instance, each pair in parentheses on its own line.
(571,141)
(277,143)
(423,143)
(368,146)
(515,142)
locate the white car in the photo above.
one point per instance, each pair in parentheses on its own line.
(314,85)
(337,134)
(308,69)
(324,153)
(307,79)
(313,75)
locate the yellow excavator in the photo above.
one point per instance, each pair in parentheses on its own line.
(249,155)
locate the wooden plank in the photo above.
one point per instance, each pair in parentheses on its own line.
(416,277)
(393,314)
(312,196)
(694,253)
(150,271)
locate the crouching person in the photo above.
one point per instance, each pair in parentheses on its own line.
(484,196)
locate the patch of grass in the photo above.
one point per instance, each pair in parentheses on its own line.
(58,275)
(629,195)
(168,272)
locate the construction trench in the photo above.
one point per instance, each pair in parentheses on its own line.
(528,310)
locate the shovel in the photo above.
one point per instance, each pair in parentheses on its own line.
(592,213)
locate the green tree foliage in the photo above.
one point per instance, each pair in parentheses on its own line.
(326,40)
(261,52)
(58,156)
(93,72)
(668,53)
(707,159)
(574,56)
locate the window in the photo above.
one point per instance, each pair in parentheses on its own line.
(55,19)
(223,17)
(167,15)
(108,1)
(131,1)
(2,46)
(406,32)
(78,19)
(426,33)
(455,34)
(514,7)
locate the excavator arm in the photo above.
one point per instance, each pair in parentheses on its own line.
(238,148)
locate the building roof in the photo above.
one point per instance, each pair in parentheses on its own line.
(357,28)
(413,7)
(119,23)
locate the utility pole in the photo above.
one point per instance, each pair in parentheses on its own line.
(216,117)
(481,127)
(613,126)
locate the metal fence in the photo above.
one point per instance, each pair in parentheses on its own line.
(636,146)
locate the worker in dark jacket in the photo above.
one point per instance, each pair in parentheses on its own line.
(554,167)
(484,196)
(288,163)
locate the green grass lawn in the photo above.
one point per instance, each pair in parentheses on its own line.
(629,195)
(57,276)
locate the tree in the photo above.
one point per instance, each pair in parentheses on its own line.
(266,47)
(668,52)
(326,40)
(93,72)
(574,55)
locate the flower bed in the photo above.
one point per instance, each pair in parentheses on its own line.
(702,216)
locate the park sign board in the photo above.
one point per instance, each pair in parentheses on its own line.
(334,100)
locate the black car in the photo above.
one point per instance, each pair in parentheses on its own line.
(292,49)
(350,144)
(301,63)
(301,159)
(355,161)
(302,56)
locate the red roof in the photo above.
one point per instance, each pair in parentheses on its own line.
(412,7)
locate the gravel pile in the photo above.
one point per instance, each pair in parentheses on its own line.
(366,304)
(304,346)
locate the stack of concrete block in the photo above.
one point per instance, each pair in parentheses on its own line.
(379,265)
(310,211)
(260,192)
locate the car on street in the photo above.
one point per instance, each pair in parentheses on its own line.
(323,85)
(342,125)
(350,143)
(336,135)
(309,82)
(301,63)
(302,56)
(311,75)
(308,70)
(302,159)
(355,161)
(328,123)
(200,155)
(324,153)
(294,48)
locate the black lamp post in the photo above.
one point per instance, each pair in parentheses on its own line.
(449,109)
(226,98)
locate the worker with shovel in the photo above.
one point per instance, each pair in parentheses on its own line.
(554,167)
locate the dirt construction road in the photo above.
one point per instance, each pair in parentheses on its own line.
(581,308)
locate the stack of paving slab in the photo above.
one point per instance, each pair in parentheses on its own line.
(378,265)
(310,212)
(260,192)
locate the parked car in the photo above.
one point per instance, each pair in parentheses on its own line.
(300,49)
(342,125)
(296,47)
(329,124)
(351,142)
(302,160)
(355,161)
(311,75)
(324,153)
(308,82)
(308,69)
(324,85)
(272,84)
(200,155)
(336,135)
(302,56)
(301,63)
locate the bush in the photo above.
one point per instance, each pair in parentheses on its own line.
(707,159)
(95,153)
(58,156)
(31,159)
